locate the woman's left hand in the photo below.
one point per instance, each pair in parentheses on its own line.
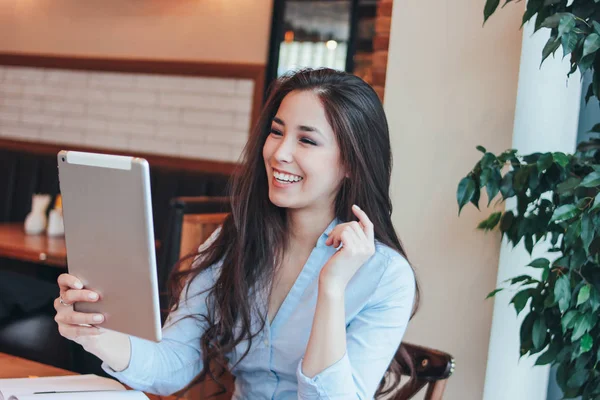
(358,240)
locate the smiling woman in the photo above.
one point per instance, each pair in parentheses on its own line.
(305,291)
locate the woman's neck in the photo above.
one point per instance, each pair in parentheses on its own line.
(307,226)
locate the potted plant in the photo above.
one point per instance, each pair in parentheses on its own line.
(557,203)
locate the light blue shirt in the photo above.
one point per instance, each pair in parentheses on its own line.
(378,304)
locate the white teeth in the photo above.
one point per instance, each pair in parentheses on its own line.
(287,177)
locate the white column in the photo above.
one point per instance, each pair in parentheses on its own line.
(546,118)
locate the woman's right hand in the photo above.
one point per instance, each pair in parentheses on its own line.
(76,326)
(110,346)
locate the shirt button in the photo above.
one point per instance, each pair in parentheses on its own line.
(266,342)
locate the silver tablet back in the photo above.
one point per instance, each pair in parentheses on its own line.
(109,236)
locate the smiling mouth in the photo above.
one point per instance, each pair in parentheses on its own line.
(286,179)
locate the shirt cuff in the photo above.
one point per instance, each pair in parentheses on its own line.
(136,374)
(334,381)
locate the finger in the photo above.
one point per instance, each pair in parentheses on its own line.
(365,221)
(77,318)
(67,281)
(359,231)
(72,296)
(73,332)
(350,239)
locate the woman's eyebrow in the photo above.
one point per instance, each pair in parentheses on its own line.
(304,128)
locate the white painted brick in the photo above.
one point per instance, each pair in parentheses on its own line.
(135,97)
(244,87)
(221,86)
(99,139)
(95,96)
(178,132)
(152,145)
(85,123)
(57,76)
(213,119)
(149,81)
(35,118)
(181,100)
(108,80)
(61,135)
(236,154)
(154,114)
(20,132)
(238,104)
(206,151)
(37,89)
(121,111)
(63,107)
(241,121)
(11,89)
(24,74)
(9,116)
(225,137)
(131,128)
(20,103)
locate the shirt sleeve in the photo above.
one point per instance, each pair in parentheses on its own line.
(168,366)
(372,339)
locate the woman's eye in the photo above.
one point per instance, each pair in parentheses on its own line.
(308,141)
(276,132)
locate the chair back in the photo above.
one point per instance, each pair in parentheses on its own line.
(432,370)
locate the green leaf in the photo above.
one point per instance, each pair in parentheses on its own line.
(591,44)
(596,25)
(578,379)
(520,299)
(587,231)
(539,263)
(562,292)
(549,355)
(466,190)
(565,212)
(561,159)
(584,295)
(567,185)
(582,326)
(539,332)
(585,63)
(490,7)
(586,343)
(493,293)
(591,180)
(506,221)
(544,162)
(568,320)
(552,20)
(491,222)
(506,186)
(493,185)
(481,149)
(566,24)
(569,42)
(550,47)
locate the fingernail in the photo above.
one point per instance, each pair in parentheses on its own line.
(98,318)
(356,206)
(78,285)
(93,296)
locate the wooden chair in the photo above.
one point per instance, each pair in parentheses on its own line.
(432,367)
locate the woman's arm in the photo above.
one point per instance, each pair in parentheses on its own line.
(369,342)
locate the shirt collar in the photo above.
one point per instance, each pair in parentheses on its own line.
(325,234)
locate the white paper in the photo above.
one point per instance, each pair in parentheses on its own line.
(112,395)
(28,386)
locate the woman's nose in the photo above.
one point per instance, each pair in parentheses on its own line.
(285,151)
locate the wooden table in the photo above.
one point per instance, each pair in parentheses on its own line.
(16,367)
(41,249)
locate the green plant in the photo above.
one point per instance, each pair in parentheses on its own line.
(557,203)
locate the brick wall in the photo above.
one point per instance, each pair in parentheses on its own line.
(191,117)
(381,43)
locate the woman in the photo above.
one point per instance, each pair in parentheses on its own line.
(300,293)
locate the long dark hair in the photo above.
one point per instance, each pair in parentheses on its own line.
(252,237)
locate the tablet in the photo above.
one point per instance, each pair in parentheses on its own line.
(109,236)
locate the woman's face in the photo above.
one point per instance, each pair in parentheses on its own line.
(301,154)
